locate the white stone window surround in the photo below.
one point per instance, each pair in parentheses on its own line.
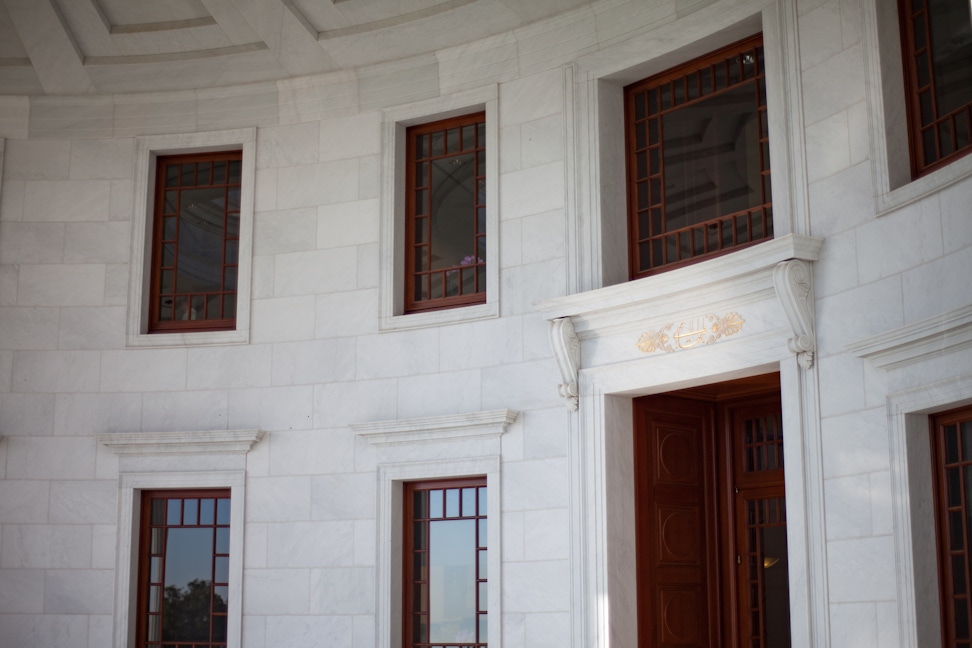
(176,460)
(884,80)
(147,149)
(411,450)
(391,286)
(772,292)
(928,347)
(597,209)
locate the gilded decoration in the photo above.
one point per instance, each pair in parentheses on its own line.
(685,335)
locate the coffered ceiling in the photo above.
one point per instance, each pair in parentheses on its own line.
(57,47)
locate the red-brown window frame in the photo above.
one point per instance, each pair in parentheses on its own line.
(942,468)
(144,561)
(478,267)
(408,573)
(725,225)
(155,325)
(913,92)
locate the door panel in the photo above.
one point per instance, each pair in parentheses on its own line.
(675,535)
(711,519)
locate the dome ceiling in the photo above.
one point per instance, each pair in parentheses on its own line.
(57,47)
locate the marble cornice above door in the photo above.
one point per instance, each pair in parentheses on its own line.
(761,292)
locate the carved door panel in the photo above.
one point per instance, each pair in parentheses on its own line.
(711,521)
(676,537)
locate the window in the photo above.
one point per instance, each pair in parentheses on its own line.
(951,446)
(445,227)
(445,564)
(937,48)
(206,240)
(697,147)
(442,296)
(183,569)
(196,242)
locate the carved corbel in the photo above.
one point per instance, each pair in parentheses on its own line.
(794,289)
(566,348)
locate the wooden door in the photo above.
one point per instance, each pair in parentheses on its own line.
(711,518)
(678,586)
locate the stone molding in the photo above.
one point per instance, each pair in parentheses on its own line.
(176,443)
(566,348)
(779,267)
(681,290)
(436,428)
(794,288)
(935,336)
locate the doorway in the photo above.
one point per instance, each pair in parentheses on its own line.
(711,517)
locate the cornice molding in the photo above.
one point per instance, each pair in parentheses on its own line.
(930,337)
(689,288)
(177,443)
(436,428)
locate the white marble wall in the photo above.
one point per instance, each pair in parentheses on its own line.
(316,361)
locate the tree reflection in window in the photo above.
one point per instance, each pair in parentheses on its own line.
(184,569)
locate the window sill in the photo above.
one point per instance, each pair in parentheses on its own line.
(916,190)
(431,318)
(196,338)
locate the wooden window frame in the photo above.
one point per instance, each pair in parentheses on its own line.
(413,219)
(159,240)
(409,579)
(743,228)
(145,555)
(917,132)
(948,596)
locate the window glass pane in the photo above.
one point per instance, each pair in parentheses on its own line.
(219,628)
(951,35)
(204,173)
(452,140)
(220,598)
(190,511)
(229,278)
(435,503)
(229,306)
(175,511)
(158,511)
(221,573)
(453,210)
(452,503)
(222,540)
(452,596)
(483,535)
(188,176)
(207,511)
(200,240)
(223,511)
(188,579)
(711,158)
